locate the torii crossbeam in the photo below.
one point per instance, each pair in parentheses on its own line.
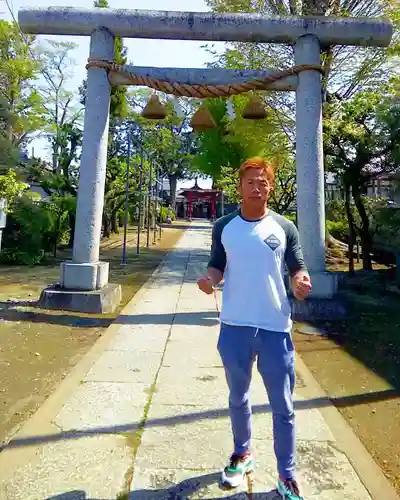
(308,35)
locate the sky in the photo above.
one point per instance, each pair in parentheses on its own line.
(161,53)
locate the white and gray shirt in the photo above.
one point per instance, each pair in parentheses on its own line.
(252,255)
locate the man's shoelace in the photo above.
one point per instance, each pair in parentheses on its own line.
(292,486)
(235,460)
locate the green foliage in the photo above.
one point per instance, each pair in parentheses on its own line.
(63,130)
(33,195)
(169,142)
(362,136)
(165,212)
(62,111)
(347,71)
(362,142)
(8,152)
(338,229)
(229,183)
(384,222)
(335,210)
(284,193)
(67,143)
(11,187)
(28,233)
(35,228)
(222,150)
(217,150)
(18,71)
(60,208)
(290,216)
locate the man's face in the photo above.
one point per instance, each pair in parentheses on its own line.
(255,187)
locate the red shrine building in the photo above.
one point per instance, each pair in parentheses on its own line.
(198,203)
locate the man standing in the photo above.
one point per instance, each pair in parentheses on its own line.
(250,249)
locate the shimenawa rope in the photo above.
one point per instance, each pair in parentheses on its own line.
(200,91)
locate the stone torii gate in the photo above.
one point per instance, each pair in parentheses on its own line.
(84,280)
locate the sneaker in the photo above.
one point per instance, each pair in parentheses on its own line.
(234,473)
(289,489)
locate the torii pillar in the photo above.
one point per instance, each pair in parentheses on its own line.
(85,278)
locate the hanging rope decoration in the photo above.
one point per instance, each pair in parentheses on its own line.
(201,91)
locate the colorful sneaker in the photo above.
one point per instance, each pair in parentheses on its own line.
(289,489)
(234,473)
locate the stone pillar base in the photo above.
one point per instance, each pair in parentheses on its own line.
(102,301)
(87,276)
(324,303)
(324,285)
(336,308)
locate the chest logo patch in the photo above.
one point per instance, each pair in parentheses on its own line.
(273,242)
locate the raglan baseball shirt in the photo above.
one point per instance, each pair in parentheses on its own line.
(252,255)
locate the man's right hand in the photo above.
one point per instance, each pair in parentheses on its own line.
(205,283)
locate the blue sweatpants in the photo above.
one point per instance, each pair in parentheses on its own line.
(239,347)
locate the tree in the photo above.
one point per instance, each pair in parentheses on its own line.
(170,141)
(219,155)
(62,184)
(346,69)
(223,149)
(8,152)
(362,141)
(11,187)
(20,98)
(62,128)
(62,111)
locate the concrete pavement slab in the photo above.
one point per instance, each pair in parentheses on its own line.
(94,465)
(104,405)
(124,366)
(140,338)
(164,484)
(191,417)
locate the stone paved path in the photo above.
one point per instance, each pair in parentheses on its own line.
(150,413)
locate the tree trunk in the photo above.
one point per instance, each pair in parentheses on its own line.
(173,181)
(71,217)
(350,220)
(114,222)
(366,240)
(106,226)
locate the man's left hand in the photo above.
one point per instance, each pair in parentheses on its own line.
(301,285)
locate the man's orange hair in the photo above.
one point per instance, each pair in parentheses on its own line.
(258,162)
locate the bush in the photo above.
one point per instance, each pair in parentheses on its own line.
(290,216)
(335,210)
(11,188)
(164,214)
(28,234)
(338,229)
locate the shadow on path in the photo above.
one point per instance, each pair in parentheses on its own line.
(181,491)
(197,416)
(192,226)
(201,318)
(9,312)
